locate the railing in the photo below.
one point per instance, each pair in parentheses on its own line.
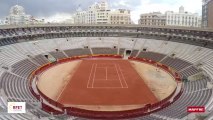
(50,110)
(31,78)
(147,109)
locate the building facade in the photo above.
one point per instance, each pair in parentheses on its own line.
(79,17)
(17,16)
(120,16)
(100,13)
(182,18)
(207,13)
(91,14)
(152,19)
(2,22)
(171,18)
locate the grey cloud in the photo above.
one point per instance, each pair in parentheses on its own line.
(44,8)
(131,3)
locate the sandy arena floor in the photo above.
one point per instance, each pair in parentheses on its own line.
(161,83)
(108,85)
(52,81)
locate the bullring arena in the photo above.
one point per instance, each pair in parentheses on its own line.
(105,84)
(108,85)
(76,72)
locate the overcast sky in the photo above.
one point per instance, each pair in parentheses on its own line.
(62,9)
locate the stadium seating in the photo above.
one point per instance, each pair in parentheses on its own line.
(189,71)
(175,63)
(40,59)
(77,52)
(24,68)
(104,51)
(151,55)
(121,51)
(178,108)
(134,53)
(58,54)
(196,85)
(23,58)
(15,87)
(149,117)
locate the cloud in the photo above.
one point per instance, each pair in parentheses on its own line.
(53,9)
(121,3)
(44,8)
(58,17)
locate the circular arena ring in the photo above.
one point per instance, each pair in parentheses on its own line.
(60,108)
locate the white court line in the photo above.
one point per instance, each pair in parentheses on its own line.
(123,76)
(107,79)
(106,73)
(118,75)
(90,76)
(94,76)
(105,67)
(108,87)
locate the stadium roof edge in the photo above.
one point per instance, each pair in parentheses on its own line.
(106,25)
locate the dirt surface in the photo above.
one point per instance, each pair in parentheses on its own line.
(52,81)
(161,83)
(106,85)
